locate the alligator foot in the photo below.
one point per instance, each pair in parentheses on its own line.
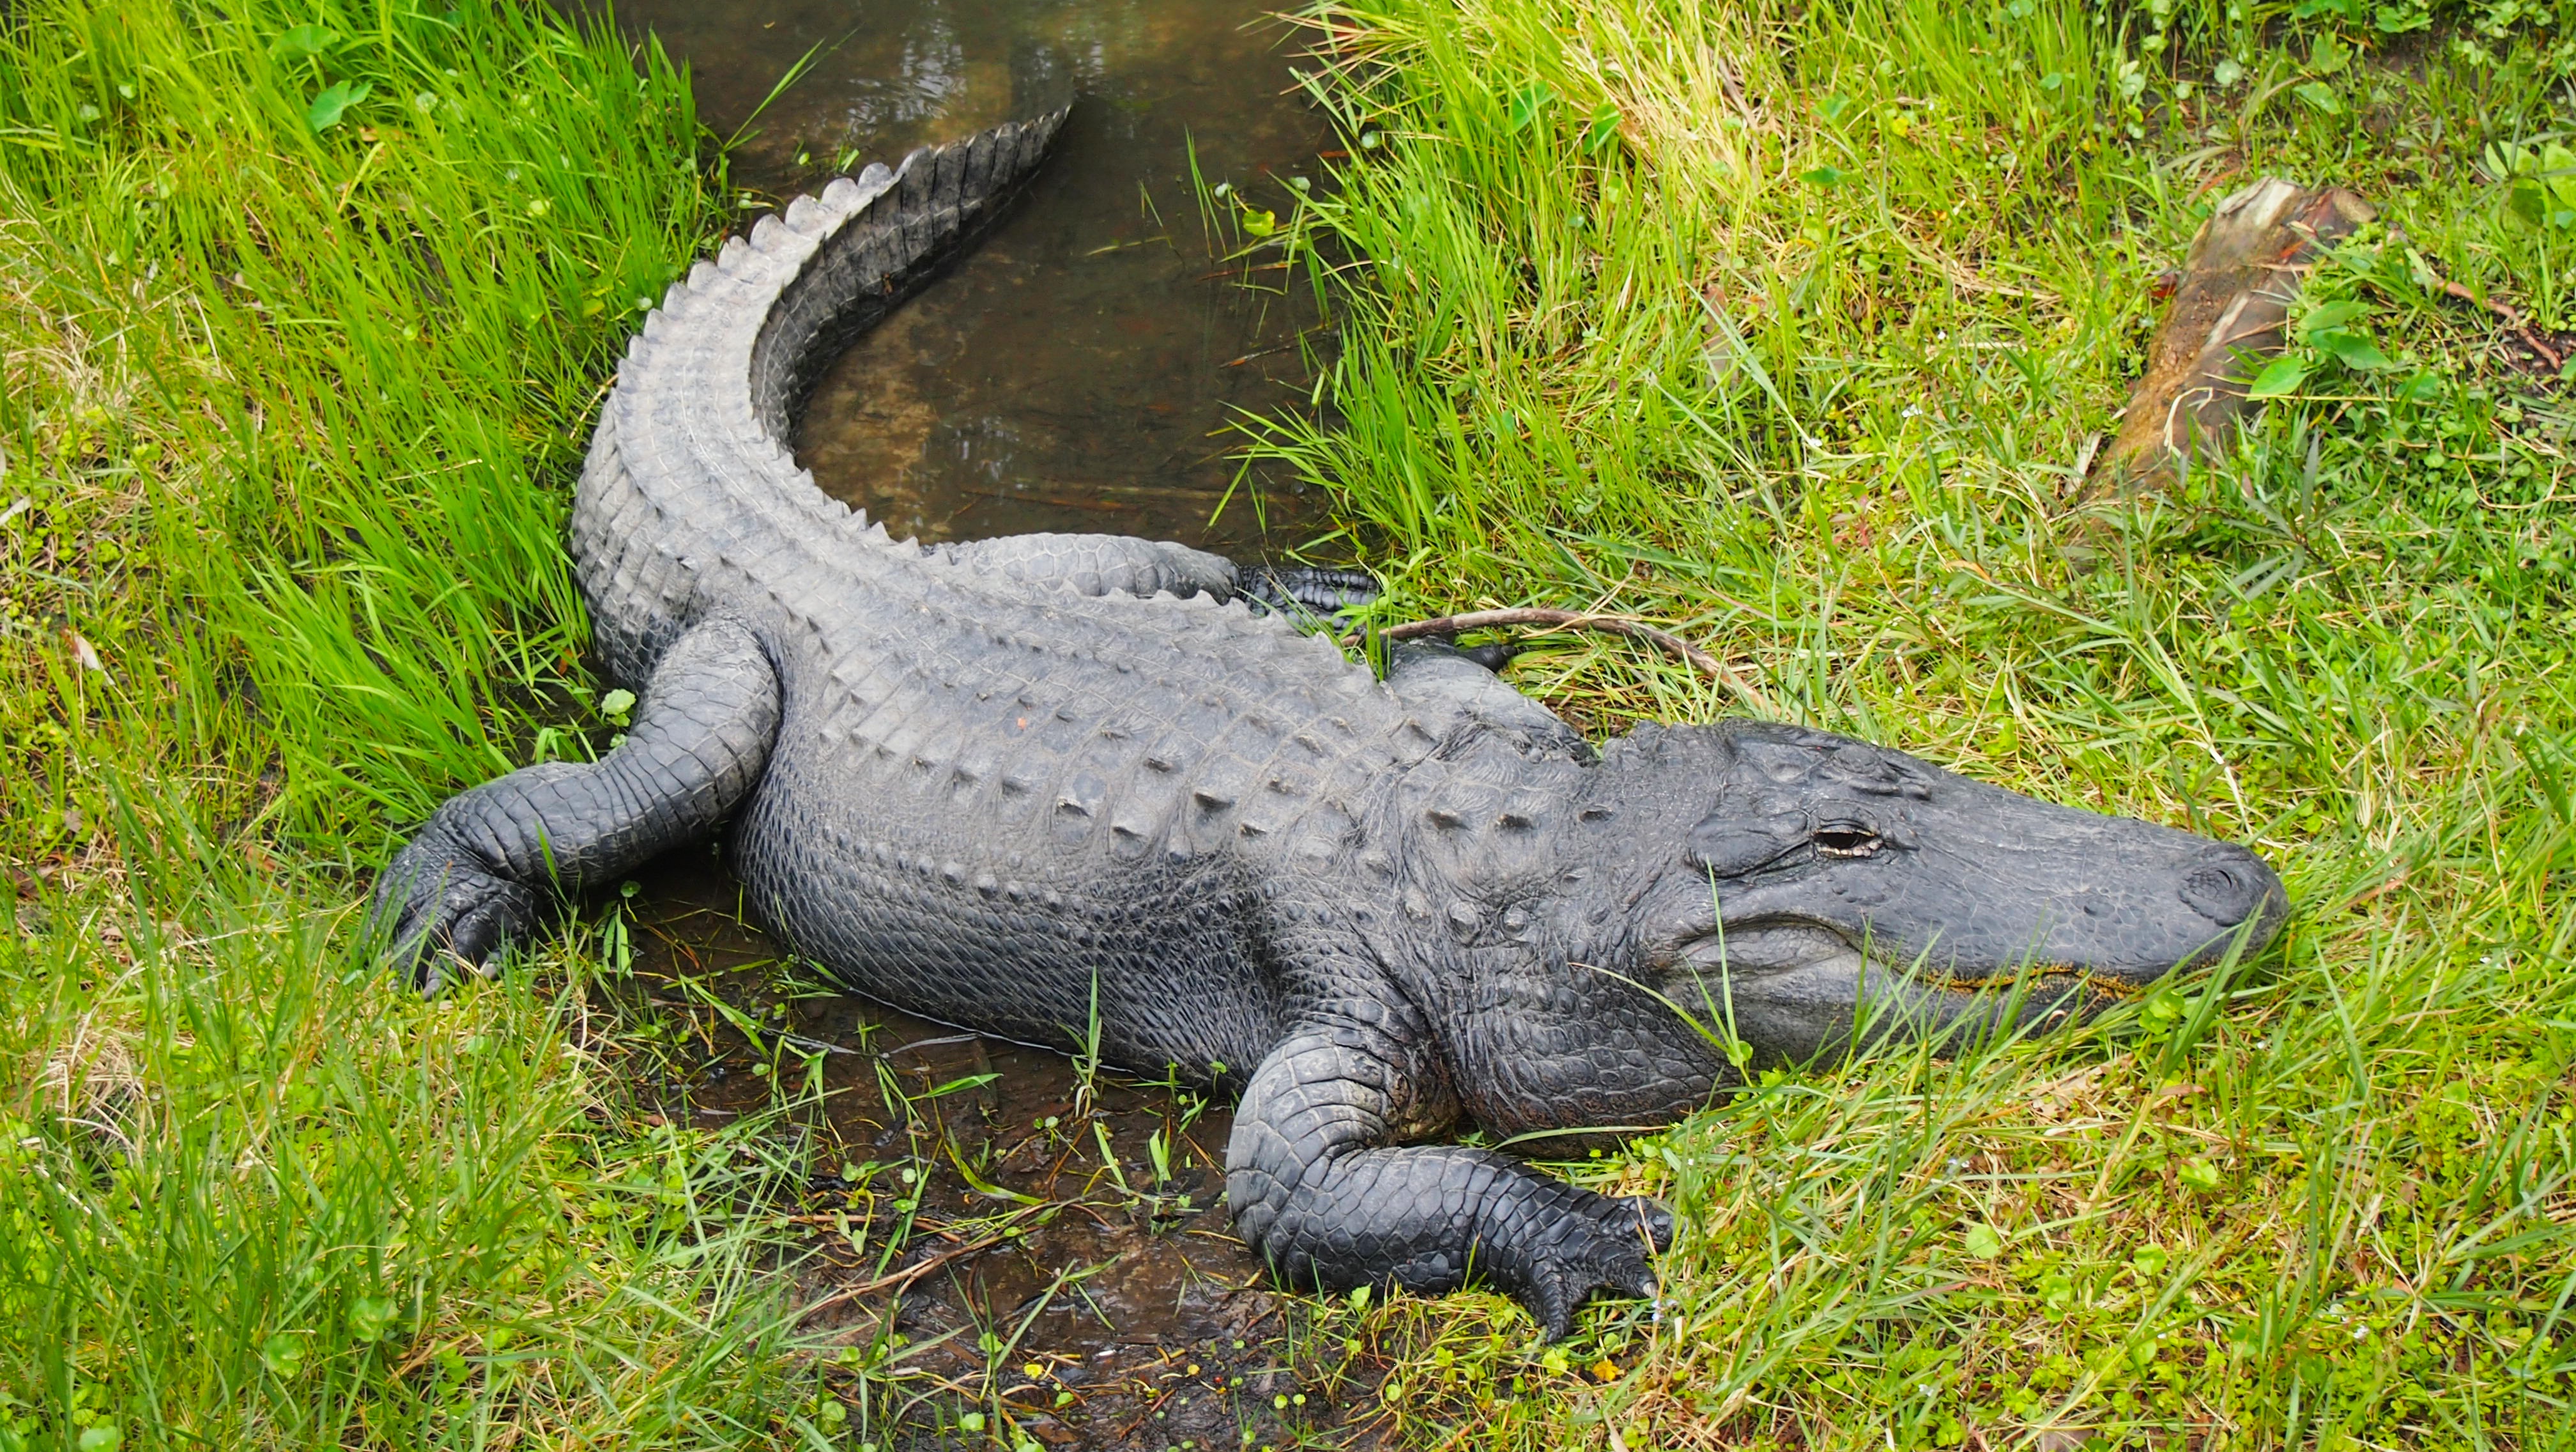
(1596,1246)
(1329,1206)
(490,864)
(1308,589)
(439,909)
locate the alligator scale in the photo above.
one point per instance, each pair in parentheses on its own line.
(1030,783)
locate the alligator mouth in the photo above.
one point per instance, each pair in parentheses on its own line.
(1802,990)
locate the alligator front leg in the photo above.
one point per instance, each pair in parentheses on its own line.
(1318,1193)
(491,863)
(1454,688)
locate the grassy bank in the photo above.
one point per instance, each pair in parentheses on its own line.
(1794,325)
(303,309)
(1786,327)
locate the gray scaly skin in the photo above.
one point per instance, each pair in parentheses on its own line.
(1026,783)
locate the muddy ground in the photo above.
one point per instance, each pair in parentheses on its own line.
(990,1227)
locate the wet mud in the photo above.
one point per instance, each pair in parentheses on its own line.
(989,1229)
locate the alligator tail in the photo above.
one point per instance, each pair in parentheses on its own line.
(690,473)
(943,200)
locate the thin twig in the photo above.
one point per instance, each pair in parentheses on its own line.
(897,1280)
(2512,318)
(1670,644)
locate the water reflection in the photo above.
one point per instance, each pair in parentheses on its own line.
(1081,371)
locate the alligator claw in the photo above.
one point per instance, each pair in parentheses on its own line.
(440,913)
(1601,1250)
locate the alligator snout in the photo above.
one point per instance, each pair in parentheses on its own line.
(2230,886)
(1842,874)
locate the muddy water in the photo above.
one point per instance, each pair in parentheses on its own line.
(1083,369)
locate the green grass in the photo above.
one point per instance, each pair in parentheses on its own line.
(296,380)
(1789,326)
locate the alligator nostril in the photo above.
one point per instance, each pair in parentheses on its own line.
(2228,887)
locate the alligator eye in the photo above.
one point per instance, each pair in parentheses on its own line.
(1846,839)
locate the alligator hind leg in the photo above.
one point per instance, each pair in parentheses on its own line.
(1111,564)
(491,863)
(1097,564)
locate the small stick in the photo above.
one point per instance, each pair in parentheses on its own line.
(2511,317)
(896,1280)
(1670,644)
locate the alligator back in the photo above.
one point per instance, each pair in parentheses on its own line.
(990,799)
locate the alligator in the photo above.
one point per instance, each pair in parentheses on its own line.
(1052,786)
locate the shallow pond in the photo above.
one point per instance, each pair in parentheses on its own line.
(1019,1236)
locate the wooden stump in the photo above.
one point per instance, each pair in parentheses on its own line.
(2229,317)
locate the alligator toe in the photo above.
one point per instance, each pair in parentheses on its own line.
(1601,1249)
(441,913)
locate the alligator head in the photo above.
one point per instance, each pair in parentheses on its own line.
(1810,885)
